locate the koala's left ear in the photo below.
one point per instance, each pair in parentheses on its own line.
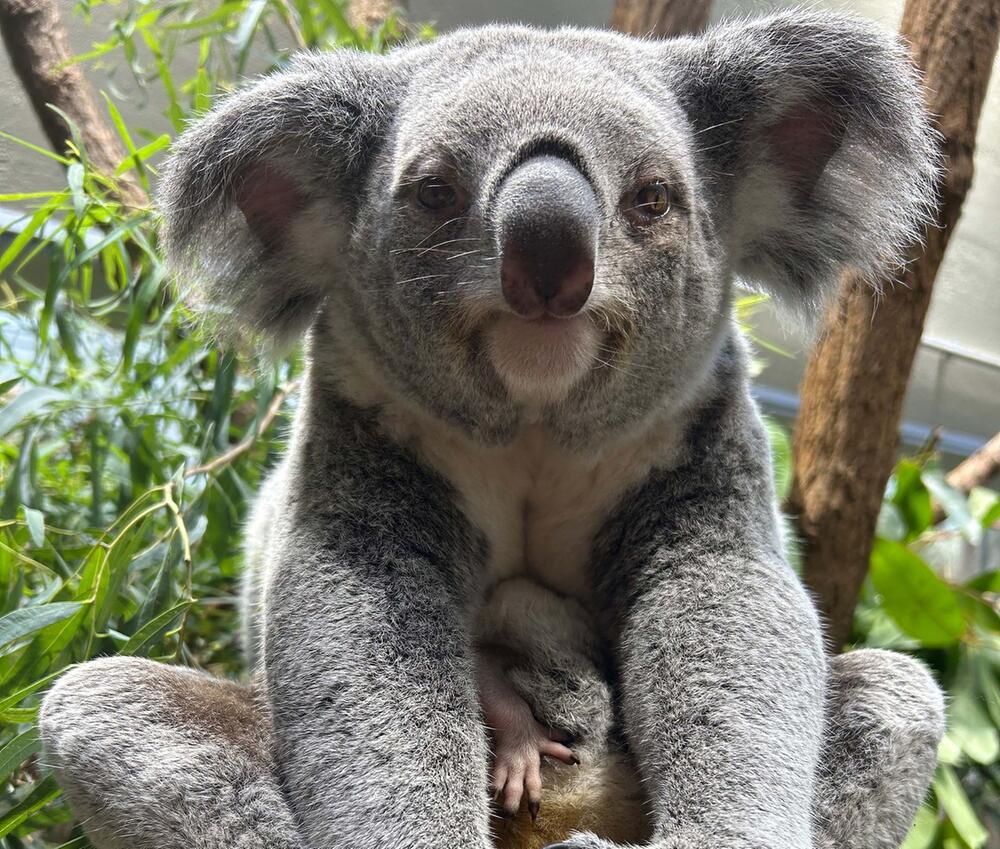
(813,138)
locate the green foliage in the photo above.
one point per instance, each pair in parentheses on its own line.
(130,446)
(933,592)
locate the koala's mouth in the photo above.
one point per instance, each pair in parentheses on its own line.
(542,358)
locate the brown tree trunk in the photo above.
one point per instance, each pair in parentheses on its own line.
(371,13)
(37,44)
(847,432)
(661,18)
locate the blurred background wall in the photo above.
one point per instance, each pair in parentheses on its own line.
(955,383)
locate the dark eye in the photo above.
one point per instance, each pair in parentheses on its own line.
(650,202)
(434,193)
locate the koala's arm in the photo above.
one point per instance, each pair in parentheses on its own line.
(368,649)
(722,672)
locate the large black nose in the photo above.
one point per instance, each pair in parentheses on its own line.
(547,219)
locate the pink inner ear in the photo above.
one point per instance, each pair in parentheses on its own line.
(269,201)
(802,143)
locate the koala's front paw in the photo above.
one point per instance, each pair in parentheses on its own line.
(517,759)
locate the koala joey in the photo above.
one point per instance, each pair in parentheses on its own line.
(513,253)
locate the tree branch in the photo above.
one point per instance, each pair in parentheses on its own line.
(38,46)
(977,469)
(248,441)
(661,18)
(847,431)
(371,13)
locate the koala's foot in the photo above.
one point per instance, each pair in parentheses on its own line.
(517,764)
(520,741)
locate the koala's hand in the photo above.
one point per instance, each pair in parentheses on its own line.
(517,760)
(519,741)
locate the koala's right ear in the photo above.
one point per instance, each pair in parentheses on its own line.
(259,191)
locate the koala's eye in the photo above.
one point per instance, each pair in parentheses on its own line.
(650,202)
(435,194)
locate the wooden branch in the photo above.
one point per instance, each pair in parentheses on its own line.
(37,44)
(977,469)
(847,431)
(661,18)
(248,441)
(371,13)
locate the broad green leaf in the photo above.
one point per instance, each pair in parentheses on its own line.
(19,489)
(119,555)
(912,498)
(62,160)
(74,177)
(18,750)
(921,604)
(19,716)
(949,752)
(983,502)
(971,727)
(142,154)
(32,688)
(149,635)
(955,504)
(26,621)
(35,520)
(925,829)
(247,28)
(7,385)
(956,804)
(41,794)
(27,233)
(27,403)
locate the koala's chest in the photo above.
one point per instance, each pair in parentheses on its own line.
(540,506)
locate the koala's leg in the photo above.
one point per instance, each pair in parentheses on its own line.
(885,719)
(158,757)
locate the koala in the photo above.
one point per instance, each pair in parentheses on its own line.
(513,254)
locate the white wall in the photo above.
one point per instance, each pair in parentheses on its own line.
(962,394)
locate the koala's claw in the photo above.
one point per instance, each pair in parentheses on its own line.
(517,765)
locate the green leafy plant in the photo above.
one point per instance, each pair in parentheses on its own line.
(934,591)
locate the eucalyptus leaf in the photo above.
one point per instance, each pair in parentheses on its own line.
(952,797)
(26,621)
(28,403)
(923,605)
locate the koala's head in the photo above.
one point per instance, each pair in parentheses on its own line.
(511,222)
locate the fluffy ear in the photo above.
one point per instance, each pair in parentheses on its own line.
(260,191)
(812,133)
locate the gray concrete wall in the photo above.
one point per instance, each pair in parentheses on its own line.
(956,381)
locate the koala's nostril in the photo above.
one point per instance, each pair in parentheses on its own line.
(534,287)
(547,219)
(574,290)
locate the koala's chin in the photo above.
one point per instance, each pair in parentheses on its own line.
(540,360)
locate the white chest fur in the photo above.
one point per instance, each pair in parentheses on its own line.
(539,504)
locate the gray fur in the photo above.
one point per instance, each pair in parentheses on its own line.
(794,146)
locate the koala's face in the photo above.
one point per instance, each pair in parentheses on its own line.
(538,230)
(511,223)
